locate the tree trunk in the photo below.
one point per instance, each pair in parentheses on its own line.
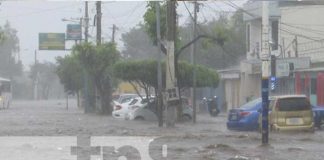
(105,90)
(105,103)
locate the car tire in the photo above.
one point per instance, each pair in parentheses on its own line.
(139,118)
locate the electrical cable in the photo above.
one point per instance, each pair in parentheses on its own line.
(305,29)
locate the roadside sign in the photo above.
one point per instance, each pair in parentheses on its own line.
(73,32)
(282,65)
(265,69)
(51,41)
(282,70)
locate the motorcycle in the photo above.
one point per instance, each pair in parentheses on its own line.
(213,108)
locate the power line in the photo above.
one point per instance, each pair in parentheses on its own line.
(300,35)
(305,29)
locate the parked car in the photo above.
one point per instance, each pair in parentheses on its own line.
(122,109)
(318,112)
(245,117)
(291,112)
(123,98)
(148,112)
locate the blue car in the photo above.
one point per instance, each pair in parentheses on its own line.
(318,116)
(245,117)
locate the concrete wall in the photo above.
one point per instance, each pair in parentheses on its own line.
(232,88)
(255,39)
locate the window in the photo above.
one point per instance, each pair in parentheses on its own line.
(133,101)
(248,40)
(293,104)
(274,35)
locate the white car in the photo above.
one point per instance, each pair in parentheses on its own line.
(148,112)
(122,109)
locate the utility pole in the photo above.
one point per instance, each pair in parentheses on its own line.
(193,53)
(159,70)
(114,28)
(265,72)
(172,92)
(85,74)
(98,6)
(36,78)
(296,46)
(86,19)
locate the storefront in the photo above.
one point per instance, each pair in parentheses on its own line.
(311,83)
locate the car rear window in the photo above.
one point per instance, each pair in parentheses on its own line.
(251,104)
(293,104)
(133,101)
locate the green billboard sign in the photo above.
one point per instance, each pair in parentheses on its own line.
(51,41)
(73,32)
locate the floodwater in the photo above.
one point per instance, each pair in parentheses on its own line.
(47,130)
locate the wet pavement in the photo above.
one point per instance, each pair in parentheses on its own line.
(37,121)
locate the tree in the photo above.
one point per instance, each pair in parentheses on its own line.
(9,66)
(150,20)
(144,73)
(46,76)
(229,36)
(135,48)
(227,33)
(98,62)
(70,71)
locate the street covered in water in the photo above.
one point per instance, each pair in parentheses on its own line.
(46,129)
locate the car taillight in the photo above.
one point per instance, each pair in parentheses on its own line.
(118,107)
(243,114)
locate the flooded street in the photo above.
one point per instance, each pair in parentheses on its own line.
(208,139)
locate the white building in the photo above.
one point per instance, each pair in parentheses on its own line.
(296,29)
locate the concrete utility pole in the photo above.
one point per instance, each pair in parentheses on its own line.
(85,75)
(193,53)
(265,72)
(172,93)
(98,6)
(296,46)
(36,78)
(159,70)
(114,28)
(86,19)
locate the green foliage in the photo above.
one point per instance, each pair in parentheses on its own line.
(150,20)
(145,72)
(227,46)
(135,48)
(46,76)
(96,59)
(9,48)
(97,62)
(70,71)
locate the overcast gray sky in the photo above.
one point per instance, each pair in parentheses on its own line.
(33,17)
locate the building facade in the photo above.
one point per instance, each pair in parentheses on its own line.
(296,38)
